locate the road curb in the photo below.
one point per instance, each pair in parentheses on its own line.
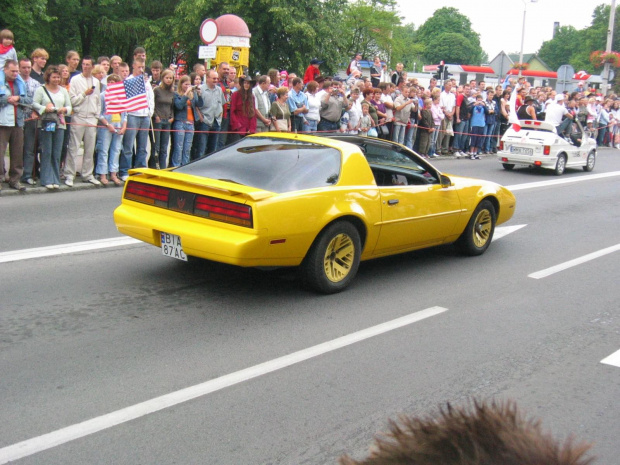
(8,191)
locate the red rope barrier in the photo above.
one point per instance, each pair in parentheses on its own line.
(299,132)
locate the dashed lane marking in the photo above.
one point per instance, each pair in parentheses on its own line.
(94,425)
(574,262)
(555,182)
(613,359)
(39,252)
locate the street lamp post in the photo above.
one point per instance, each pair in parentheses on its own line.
(525,2)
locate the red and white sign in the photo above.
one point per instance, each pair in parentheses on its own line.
(208,31)
(582,76)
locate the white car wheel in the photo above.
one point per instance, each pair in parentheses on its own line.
(560,166)
(590,162)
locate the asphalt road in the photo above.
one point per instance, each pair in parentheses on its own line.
(87,334)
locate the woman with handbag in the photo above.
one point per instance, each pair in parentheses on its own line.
(52,102)
(280,112)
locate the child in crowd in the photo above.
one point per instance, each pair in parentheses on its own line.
(426,127)
(7,50)
(366,122)
(478,116)
(109,139)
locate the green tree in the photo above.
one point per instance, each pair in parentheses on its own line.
(93,27)
(284,35)
(450,21)
(406,49)
(452,47)
(368,27)
(572,46)
(557,51)
(29,21)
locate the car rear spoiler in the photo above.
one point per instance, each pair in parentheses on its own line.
(217,185)
(533,124)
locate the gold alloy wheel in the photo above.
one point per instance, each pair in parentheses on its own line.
(339,256)
(482,227)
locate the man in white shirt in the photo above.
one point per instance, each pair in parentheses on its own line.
(555,112)
(447,102)
(138,124)
(84,91)
(261,103)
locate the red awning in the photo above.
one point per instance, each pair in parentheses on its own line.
(452,69)
(534,73)
(477,69)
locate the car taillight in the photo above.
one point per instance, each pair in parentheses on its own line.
(222,210)
(147,193)
(501,145)
(546,150)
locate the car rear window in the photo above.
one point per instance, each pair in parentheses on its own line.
(275,165)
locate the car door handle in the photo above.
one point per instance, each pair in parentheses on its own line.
(392,201)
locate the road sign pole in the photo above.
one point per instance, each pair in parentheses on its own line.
(610,36)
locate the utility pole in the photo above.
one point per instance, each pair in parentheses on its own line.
(610,37)
(525,2)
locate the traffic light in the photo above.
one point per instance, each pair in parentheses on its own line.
(439,74)
(445,73)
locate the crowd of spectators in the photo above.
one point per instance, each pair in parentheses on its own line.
(49,113)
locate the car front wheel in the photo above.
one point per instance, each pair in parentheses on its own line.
(479,231)
(333,259)
(590,162)
(560,165)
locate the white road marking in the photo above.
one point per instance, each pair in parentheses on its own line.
(555,182)
(39,252)
(502,231)
(25,254)
(613,359)
(94,425)
(574,262)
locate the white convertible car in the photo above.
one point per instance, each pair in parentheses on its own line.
(537,144)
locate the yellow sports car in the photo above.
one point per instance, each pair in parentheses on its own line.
(321,203)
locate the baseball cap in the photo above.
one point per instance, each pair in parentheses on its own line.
(559,97)
(315,61)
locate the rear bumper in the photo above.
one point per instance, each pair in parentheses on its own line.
(545,161)
(222,243)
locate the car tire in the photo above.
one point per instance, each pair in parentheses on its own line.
(333,260)
(590,162)
(560,165)
(479,231)
(508,166)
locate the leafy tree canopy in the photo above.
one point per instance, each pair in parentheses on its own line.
(572,46)
(449,20)
(452,47)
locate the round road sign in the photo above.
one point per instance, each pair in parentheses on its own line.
(208,31)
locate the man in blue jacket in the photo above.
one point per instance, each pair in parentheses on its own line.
(13,101)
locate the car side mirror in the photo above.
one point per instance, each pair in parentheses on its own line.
(445,181)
